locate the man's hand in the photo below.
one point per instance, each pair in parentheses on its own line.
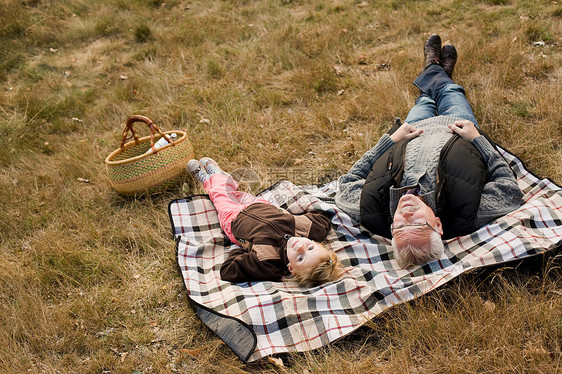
(466,129)
(406,131)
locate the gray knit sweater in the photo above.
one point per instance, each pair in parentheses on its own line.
(500,194)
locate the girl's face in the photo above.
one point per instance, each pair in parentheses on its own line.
(304,254)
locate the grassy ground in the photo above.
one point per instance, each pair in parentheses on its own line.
(88,280)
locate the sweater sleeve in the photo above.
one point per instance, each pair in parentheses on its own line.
(363,166)
(500,194)
(244,266)
(350,185)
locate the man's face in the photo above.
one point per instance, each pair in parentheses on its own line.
(412,210)
(304,254)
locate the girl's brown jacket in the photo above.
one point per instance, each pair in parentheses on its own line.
(262,230)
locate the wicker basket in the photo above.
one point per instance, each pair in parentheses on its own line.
(137,166)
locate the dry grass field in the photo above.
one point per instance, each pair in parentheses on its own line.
(88,278)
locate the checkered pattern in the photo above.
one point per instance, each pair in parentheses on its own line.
(282,317)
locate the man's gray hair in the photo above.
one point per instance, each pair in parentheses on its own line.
(415,255)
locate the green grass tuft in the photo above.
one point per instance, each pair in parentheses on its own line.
(142,33)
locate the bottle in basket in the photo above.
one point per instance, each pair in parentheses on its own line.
(162,142)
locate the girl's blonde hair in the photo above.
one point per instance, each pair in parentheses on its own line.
(328,270)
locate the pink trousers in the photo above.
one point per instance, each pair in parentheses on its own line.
(222,190)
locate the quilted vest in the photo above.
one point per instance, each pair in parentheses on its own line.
(461,175)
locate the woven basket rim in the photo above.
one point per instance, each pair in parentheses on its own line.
(112,155)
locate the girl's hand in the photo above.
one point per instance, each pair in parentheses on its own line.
(466,129)
(404,132)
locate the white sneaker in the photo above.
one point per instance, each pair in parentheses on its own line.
(196,169)
(211,166)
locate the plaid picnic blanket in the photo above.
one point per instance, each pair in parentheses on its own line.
(258,319)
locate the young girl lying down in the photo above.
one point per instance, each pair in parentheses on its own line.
(273,242)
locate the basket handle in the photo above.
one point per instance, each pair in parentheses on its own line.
(151,126)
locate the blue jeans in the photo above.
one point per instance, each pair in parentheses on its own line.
(439,95)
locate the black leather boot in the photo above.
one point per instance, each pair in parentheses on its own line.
(448,58)
(432,51)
